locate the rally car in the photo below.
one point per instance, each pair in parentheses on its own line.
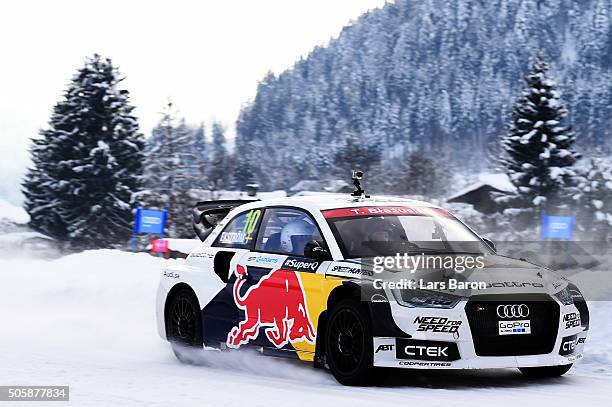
(295,277)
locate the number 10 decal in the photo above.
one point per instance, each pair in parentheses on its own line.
(252,218)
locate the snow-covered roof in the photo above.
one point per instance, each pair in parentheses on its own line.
(13,213)
(499,181)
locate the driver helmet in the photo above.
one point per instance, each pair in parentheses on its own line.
(297,230)
(380,230)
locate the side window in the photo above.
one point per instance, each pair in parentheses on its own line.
(241,231)
(286,231)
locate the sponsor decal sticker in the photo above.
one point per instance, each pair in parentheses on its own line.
(350,270)
(514,284)
(263,259)
(384,348)
(572,320)
(568,345)
(426,350)
(520,327)
(424,364)
(300,264)
(437,324)
(378,298)
(171,274)
(203,254)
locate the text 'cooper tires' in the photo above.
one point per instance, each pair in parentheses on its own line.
(184,325)
(348,344)
(545,371)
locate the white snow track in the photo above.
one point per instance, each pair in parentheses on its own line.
(87,320)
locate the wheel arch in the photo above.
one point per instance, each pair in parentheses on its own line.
(346,290)
(175,289)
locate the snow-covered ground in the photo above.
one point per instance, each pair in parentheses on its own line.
(87,321)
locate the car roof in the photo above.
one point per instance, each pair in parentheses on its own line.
(336,201)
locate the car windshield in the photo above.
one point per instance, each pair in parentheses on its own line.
(387,231)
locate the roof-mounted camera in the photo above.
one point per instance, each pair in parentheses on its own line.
(358,192)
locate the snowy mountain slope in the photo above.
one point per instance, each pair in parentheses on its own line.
(87,320)
(439,76)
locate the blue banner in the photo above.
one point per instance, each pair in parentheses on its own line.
(150,221)
(558,227)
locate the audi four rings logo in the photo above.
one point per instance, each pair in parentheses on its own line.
(513,311)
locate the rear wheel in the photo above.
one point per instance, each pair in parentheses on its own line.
(348,344)
(184,325)
(545,371)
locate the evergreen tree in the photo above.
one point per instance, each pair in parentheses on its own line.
(200,152)
(87,163)
(219,172)
(175,158)
(243,174)
(355,155)
(427,74)
(422,177)
(539,156)
(595,200)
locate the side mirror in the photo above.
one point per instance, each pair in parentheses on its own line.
(315,250)
(490,243)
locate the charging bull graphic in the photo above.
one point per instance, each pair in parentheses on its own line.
(276,302)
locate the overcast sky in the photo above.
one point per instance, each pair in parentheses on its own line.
(206,55)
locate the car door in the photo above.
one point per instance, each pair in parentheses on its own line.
(232,244)
(273,299)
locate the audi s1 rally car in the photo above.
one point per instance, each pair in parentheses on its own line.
(334,281)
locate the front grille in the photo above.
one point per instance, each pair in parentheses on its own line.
(482,316)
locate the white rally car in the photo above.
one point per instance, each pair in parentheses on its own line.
(296,277)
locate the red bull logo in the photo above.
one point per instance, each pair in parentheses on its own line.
(277,303)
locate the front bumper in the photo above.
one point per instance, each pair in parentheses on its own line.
(446,342)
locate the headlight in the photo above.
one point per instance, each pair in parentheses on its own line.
(425,298)
(565,296)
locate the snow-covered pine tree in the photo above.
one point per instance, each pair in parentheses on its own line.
(595,200)
(87,163)
(422,176)
(175,157)
(355,154)
(219,171)
(538,150)
(200,152)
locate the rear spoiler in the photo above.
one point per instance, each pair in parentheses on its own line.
(207,214)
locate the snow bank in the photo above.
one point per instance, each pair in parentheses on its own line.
(87,320)
(12,213)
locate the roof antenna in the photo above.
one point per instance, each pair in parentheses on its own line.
(358,192)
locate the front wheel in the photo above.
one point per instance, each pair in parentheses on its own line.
(348,344)
(184,325)
(545,371)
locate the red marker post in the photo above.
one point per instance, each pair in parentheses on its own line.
(159,246)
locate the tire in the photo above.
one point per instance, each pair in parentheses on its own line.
(545,371)
(348,344)
(184,325)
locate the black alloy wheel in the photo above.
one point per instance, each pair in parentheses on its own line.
(184,325)
(348,343)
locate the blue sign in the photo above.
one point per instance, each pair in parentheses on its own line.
(150,221)
(558,227)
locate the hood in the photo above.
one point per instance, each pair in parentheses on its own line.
(497,275)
